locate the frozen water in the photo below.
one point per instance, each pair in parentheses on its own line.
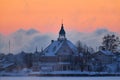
(59,78)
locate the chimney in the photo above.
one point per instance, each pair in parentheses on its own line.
(52,41)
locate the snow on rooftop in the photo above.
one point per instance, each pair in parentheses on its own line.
(106,52)
(7,65)
(56,45)
(48,63)
(52,48)
(64,63)
(72,46)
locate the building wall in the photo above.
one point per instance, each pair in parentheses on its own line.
(56,63)
(104,59)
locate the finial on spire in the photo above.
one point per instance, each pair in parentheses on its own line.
(62,21)
(62,24)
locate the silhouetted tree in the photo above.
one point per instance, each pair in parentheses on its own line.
(110,42)
(82,48)
(84,52)
(79,46)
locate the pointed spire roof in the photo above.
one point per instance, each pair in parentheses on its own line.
(62,31)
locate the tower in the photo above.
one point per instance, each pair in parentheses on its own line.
(9,46)
(36,50)
(62,33)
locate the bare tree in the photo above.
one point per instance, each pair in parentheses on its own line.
(110,42)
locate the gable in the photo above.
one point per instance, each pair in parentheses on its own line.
(64,49)
(52,48)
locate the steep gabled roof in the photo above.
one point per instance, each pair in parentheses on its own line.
(53,48)
(106,52)
(72,46)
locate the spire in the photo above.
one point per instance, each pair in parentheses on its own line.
(36,50)
(9,46)
(62,26)
(62,33)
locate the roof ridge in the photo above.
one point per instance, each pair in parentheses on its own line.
(59,47)
(75,51)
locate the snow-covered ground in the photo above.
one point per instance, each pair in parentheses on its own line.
(72,72)
(13,74)
(23,72)
(59,78)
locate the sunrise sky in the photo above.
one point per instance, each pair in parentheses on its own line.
(46,15)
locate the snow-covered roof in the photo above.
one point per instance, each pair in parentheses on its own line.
(72,46)
(64,63)
(54,63)
(106,52)
(52,49)
(7,65)
(118,59)
(48,63)
(2,60)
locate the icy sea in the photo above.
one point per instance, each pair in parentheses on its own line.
(59,78)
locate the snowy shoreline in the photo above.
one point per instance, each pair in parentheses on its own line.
(62,73)
(73,73)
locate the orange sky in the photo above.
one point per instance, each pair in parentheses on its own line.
(46,15)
